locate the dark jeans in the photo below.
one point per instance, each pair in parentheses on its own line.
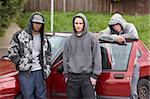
(32,85)
(79,87)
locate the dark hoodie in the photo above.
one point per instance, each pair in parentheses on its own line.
(82,53)
(21,45)
(128,29)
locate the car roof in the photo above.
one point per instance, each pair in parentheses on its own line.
(65,34)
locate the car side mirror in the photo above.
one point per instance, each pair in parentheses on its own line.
(60,69)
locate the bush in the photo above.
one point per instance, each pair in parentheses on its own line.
(9,9)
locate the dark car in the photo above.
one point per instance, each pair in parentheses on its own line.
(113,83)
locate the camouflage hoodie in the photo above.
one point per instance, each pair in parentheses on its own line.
(21,45)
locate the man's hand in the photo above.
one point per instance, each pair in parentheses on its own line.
(93,81)
(66,80)
(6,58)
(120,39)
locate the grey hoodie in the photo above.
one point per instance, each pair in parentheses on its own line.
(128,29)
(82,53)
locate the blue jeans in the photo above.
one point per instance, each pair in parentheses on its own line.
(32,85)
(134,82)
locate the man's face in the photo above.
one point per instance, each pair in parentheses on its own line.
(116,27)
(78,24)
(36,26)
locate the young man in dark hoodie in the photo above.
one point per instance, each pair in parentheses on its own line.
(82,60)
(30,51)
(119,31)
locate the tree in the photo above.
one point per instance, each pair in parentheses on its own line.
(9,9)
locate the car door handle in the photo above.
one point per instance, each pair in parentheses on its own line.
(119,76)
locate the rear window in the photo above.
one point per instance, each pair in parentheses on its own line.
(114,56)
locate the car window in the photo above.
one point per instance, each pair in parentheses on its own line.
(59,58)
(57,44)
(114,56)
(138,53)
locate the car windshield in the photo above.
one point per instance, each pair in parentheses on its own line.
(114,56)
(57,44)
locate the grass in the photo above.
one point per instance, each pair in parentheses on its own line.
(97,22)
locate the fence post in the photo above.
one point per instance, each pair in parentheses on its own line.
(52,15)
(64,5)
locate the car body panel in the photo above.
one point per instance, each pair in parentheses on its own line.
(9,84)
(144,60)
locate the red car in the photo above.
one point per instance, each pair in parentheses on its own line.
(113,83)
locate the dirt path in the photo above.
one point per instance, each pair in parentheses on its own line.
(5,40)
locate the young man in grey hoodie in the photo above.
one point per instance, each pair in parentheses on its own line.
(30,51)
(119,31)
(82,60)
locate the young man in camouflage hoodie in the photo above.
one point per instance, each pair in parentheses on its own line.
(30,51)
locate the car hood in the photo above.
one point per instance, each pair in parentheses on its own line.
(6,68)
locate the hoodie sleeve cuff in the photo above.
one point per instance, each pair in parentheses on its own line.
(94,76)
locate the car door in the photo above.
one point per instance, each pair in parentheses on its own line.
(59,85)
(117,64)
(55,82)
